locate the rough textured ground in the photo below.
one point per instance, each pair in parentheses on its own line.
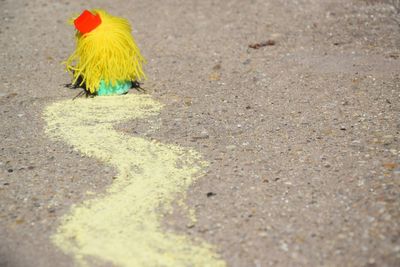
(302,136)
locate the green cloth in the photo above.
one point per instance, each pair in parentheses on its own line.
(119,88)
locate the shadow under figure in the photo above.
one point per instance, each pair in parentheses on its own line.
(106,60)
(80,84)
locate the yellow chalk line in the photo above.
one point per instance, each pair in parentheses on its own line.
(123,226)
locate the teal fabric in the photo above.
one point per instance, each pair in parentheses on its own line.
(119,88)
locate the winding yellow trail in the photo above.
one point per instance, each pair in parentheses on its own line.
(123,225)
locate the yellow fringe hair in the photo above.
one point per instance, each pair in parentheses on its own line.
(106,53)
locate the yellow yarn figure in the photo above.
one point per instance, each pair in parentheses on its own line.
(106,59)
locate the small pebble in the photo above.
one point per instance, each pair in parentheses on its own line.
(211,194)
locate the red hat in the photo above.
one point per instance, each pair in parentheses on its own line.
(87,22)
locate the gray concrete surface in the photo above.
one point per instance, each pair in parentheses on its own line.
(302,136)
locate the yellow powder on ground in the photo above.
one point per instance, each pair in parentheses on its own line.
(123,225)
